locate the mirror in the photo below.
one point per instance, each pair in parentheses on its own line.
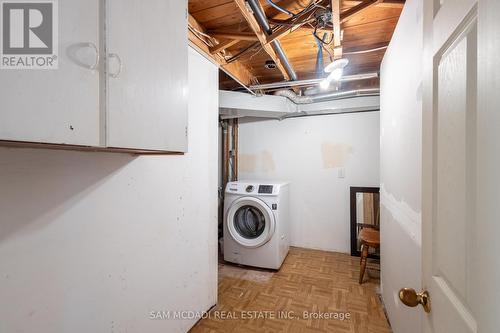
(365,213)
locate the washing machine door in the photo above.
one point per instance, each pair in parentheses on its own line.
(250,222)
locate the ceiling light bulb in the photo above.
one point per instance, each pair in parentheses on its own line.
(336,74)
(340,63)
(324,84)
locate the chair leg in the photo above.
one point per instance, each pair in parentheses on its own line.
(364,255)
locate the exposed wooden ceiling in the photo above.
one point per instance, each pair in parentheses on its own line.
(228,31)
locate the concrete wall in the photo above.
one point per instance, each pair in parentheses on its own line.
(92,242)
(310,152)
(400,166)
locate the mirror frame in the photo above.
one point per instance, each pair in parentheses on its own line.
(354,239)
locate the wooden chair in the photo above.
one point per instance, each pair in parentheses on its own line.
(368,237)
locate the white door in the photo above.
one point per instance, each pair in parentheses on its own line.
(147,74)
(62,105)
(461,150)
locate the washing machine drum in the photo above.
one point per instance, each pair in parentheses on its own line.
(250,222)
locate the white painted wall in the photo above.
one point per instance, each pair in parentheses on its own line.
(92,242)
(400,166)
(309,153)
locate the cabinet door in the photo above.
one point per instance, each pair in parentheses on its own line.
(60,105)
(147,74)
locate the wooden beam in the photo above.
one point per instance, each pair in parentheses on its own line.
(240,72)
(235,69)
(336,22)
(337,32)
(223,45)
(261,35)
(199,43)
(346,15)
(238,35)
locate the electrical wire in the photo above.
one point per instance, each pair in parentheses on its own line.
(239,54)
(321,43)
(208,40)
(283,10)
(367,51)
(310,7)
(315,34)
(291,22)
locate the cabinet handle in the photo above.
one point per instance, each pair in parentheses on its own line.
(119,60)
(96,63)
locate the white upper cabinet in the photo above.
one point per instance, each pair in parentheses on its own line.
(61,105)
(121,80)
(147,74)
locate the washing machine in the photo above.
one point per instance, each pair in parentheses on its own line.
(256,223)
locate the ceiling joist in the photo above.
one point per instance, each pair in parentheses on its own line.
(229,29)
(337,33)
(223,45)
(199,40)
(346,15)
(237,35)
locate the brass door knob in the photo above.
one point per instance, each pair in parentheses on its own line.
(411,298)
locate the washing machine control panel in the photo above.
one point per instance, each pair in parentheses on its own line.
(265,189)
(244,188)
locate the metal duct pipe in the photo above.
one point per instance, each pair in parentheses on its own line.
(329,112)
(291,95)
(261,18)
(283,10)
(286,84)
(320,62)
(327,97)
(284,59)
(345,94)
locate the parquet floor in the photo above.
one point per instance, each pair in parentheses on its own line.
(310,284)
